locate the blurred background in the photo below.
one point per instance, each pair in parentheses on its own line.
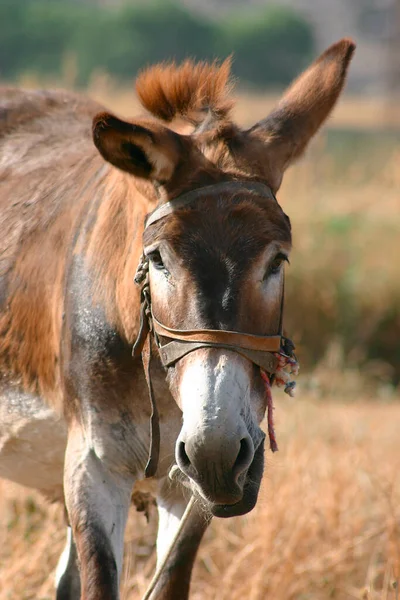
(328,521)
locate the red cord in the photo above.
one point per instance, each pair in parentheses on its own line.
(270,408)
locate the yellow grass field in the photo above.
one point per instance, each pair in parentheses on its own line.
(327,524)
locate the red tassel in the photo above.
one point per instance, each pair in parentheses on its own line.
(270,407)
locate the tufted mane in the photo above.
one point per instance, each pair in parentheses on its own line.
(190,90)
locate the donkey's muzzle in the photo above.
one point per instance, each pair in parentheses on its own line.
(218,469)
(250,490)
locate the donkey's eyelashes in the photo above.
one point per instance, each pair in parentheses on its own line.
(156,260)
(276,264)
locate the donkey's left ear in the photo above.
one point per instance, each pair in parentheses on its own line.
(152,152)
(285,133)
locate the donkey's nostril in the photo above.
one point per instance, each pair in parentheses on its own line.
(244,457)
(218,472)
(183,459)
(184,462)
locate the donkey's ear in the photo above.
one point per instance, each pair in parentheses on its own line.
(152,152)
(303,108)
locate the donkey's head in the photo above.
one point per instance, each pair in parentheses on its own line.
(216,262)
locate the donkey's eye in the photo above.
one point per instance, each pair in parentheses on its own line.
(276,264)
(156,260)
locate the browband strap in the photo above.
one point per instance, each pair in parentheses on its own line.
(224,186)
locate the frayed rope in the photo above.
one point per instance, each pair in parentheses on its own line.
(287,366)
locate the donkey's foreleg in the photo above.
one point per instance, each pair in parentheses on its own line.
(174,580)
(97,501)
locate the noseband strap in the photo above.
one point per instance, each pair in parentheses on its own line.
(174,344)
(173,351)
(269,343)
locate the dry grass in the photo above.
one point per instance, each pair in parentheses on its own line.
(327,524)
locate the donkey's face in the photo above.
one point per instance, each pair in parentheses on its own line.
(218,264)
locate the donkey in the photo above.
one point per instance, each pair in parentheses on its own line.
(76,186)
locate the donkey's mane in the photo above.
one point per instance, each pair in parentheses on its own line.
(189,90)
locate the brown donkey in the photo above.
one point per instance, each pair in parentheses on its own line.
(75,410)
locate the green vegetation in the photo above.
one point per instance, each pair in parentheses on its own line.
(269,47)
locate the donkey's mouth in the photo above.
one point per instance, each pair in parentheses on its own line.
(250,490)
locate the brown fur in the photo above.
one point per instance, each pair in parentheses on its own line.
(46,153)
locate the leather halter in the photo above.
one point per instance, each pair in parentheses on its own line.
(174,344)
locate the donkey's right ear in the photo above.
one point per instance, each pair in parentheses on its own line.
(151,151)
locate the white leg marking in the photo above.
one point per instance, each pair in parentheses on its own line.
(96,494)
(171,505)
(63,560)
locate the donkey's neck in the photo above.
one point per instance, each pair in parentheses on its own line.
(113,245)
